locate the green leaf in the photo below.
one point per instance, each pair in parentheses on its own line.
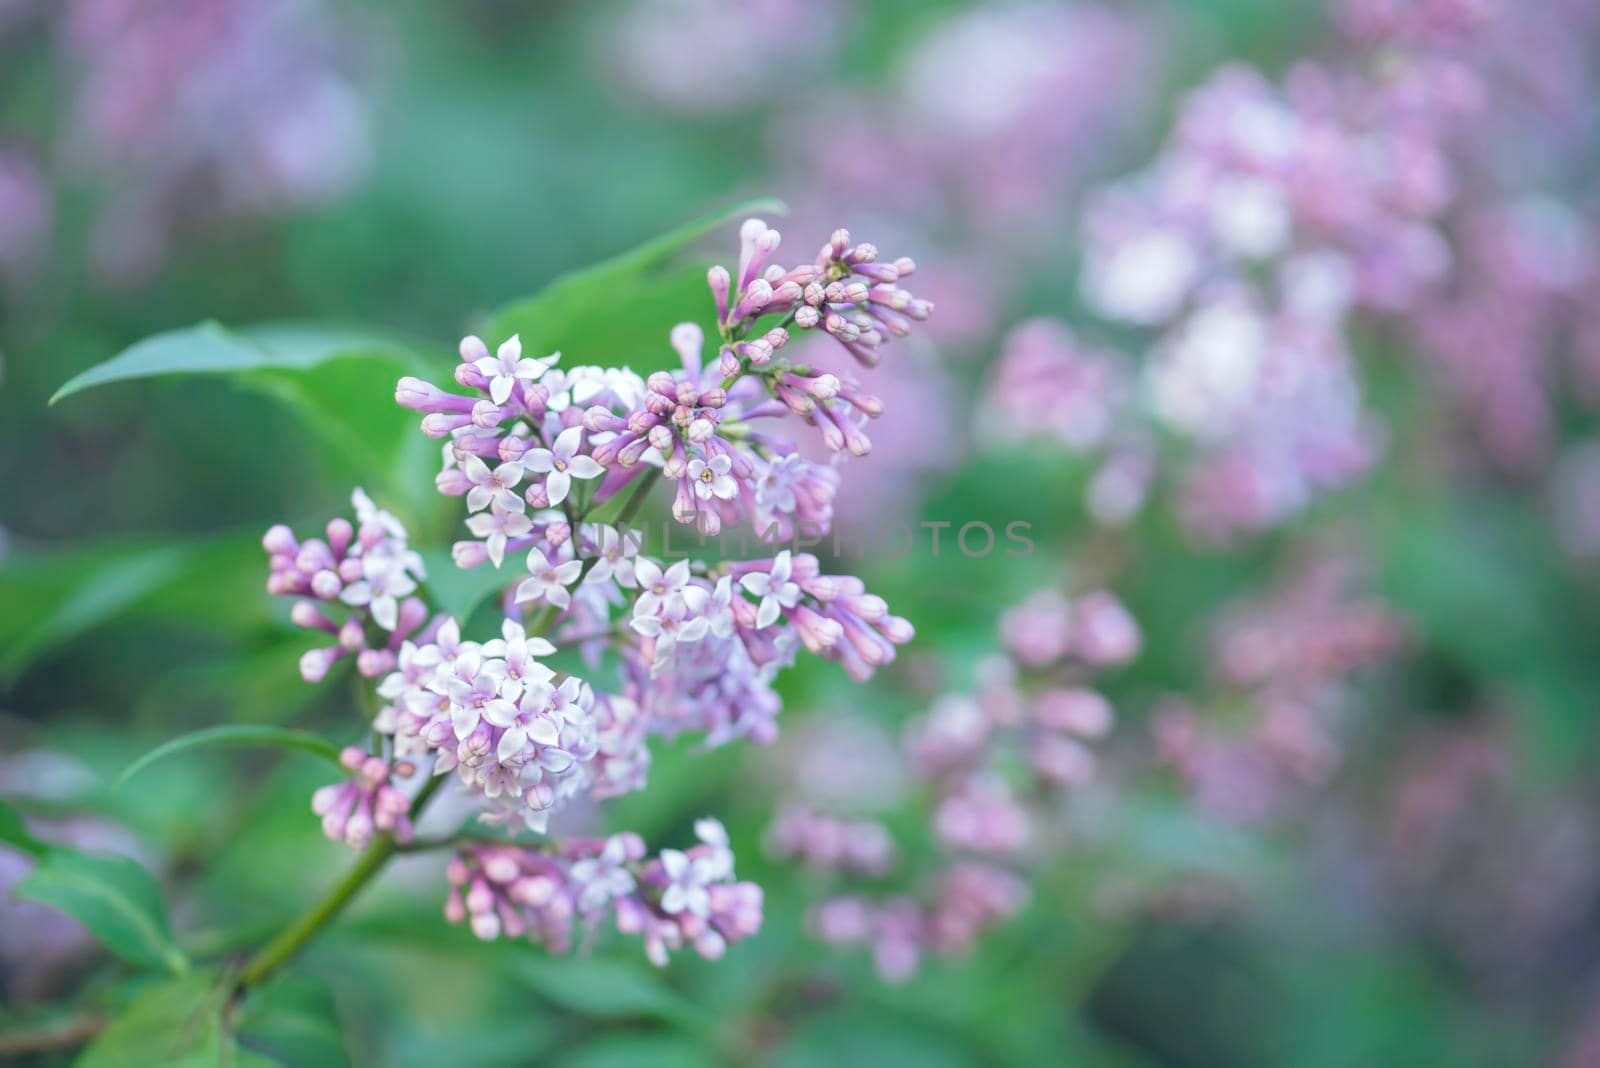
(14,833)
(629,1050)
(338,379)
(460,592)
(236,734)
(87,597)
(114,897)
(607,988)
(176,1023)
(621,310)
(211,348)
(53,598)
(294,1018)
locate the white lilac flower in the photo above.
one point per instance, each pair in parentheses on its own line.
(687,880)
(678,621)
(658,586)
(712,479)
(718,610)
(601,879)
(774,589)
(482,695)
(447,647)
(384,581)
(518,651)
(523,721)
(714,835)
(497,527)
(561,463)
(369,514)
(492,486)
(614,556)
(504,369)
(549,580)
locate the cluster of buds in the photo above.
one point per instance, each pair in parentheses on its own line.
(677,898)
(353,810)
(365,571)
(847,292)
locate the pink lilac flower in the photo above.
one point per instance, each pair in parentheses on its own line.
(1046,383)
(561,463)
(549,579)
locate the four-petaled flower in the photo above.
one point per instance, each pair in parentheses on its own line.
(518,650)
(524,721)
(602,878)
(679,621)
(497,527)
(550,580)
(687,879)
(658,586)
(492,486)
(507,367)
(774,589)
(560,464)
(384,581)
(614,553)
(713,479)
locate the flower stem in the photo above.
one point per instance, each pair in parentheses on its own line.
(288,942)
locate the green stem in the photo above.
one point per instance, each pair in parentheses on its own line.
(288,942)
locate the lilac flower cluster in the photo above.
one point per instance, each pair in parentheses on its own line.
(553,464)
(365,571)
(1033,709)
(1284,666)
(1271,217)
(677,898)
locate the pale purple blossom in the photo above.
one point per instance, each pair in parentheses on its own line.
(549,580)
(561,463)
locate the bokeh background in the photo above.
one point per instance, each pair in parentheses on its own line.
(1276,320)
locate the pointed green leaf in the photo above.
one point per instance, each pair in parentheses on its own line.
(622,310)
(591,986)
(14,833)
(176,1024)
(210,348)
(236,734)
(294,1017)
(114,897)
